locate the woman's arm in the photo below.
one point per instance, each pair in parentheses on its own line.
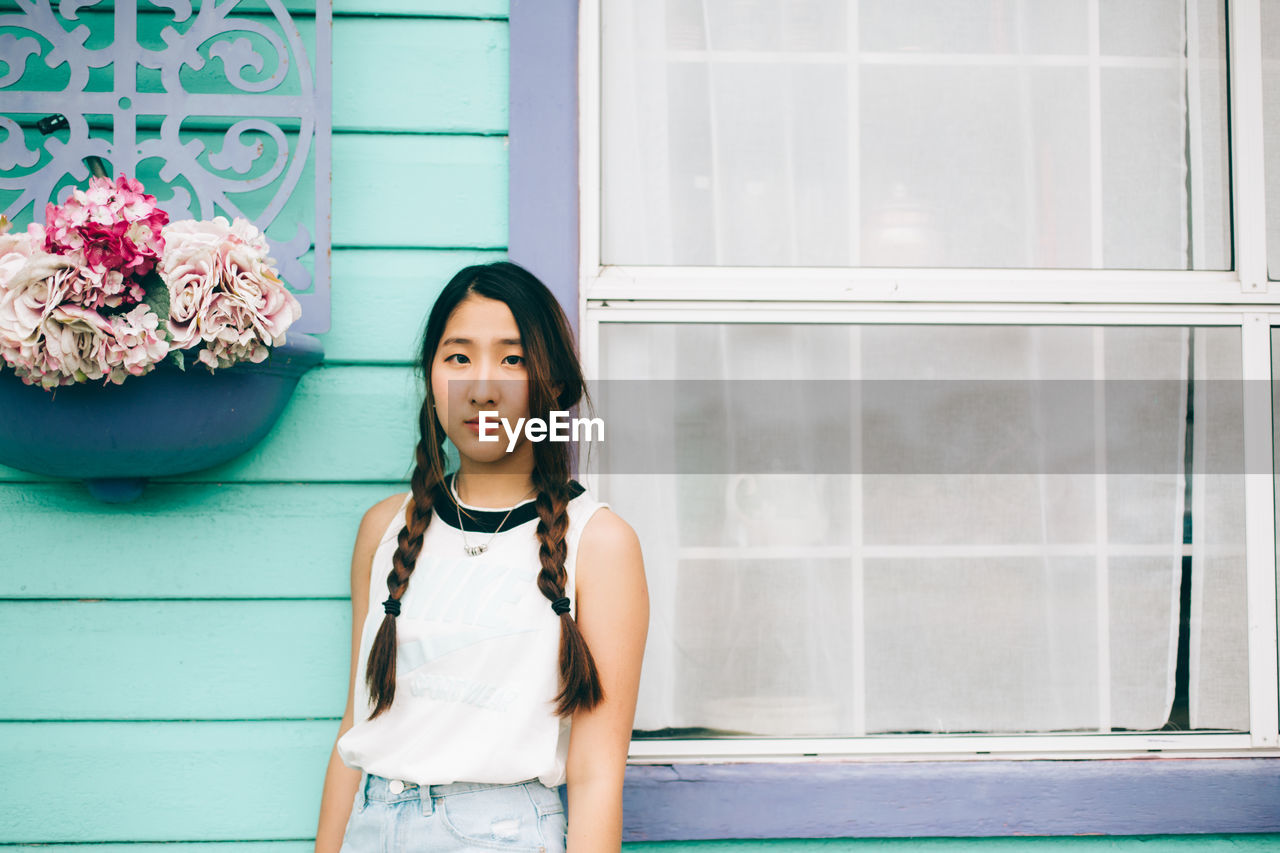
(340,781)
(613,615)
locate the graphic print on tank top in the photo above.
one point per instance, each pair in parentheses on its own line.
(470,609)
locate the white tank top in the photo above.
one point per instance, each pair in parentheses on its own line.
(477,655)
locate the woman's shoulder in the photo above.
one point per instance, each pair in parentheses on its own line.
(584,507)
(606,532)
(374,524)
(378,518)
(610,563)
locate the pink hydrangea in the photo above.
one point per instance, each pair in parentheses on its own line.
(118,232)
(135,345)
(99,288)
(49,337)
(223,291)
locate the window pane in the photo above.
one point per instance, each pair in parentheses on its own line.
(871,529)
(926,133)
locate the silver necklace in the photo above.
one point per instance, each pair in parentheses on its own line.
(477,550)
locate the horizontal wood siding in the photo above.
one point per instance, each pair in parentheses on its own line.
(449,76)
(175,668)
(205,541)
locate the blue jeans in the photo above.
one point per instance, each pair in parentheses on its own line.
(390,816)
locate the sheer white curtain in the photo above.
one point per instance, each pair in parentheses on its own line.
(1219,650)
(848,602)
(956,133)
(928,133)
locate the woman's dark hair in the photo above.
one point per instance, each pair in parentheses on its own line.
(555,383)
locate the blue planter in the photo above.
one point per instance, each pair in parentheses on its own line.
(115,437)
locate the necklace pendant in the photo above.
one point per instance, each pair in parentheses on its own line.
(475,550)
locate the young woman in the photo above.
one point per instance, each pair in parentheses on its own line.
(500,656)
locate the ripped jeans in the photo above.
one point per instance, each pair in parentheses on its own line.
(390,816)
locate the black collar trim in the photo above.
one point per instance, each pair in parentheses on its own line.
(486,520)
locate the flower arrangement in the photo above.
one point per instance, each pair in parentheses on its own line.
(108,288)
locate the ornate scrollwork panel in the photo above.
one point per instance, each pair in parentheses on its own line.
(218,107)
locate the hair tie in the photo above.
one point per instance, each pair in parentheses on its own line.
(560,606)
(392,606)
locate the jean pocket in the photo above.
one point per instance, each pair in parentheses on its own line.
(555,827)
(545,800)
(502,818)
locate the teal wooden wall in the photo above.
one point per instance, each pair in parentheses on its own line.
(174,669)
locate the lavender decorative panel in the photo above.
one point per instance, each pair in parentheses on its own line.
(221,108)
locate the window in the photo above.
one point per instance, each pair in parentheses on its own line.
(932,337)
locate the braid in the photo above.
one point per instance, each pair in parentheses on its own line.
(580,682)
(380,669)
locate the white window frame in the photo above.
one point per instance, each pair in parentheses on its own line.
(1242,298)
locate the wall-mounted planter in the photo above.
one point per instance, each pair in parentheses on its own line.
(168,422)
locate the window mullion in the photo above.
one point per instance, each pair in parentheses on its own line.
(1260,528)
(1095,136)
(589,126)
(1195,134)
(913,285)
(857,541)
(1249,222)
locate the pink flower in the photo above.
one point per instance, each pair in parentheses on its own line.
(185,235)
(135,346)
(32,284)
(49,337)
(69,346)
(74,344)
(272,308)
(32,294)
(106,288)
(17,249)
(191,279)
(117,229)
(223,292)
(229,334)
(225,297)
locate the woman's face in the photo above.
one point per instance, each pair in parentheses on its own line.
(479,366)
